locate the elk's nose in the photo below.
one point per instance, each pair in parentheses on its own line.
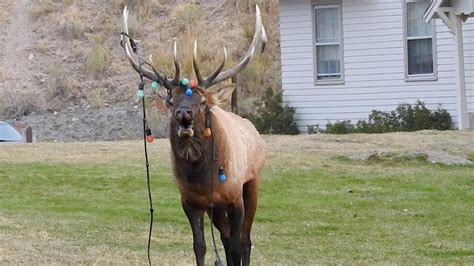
(184,113)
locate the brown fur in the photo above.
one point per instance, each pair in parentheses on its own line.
(241,151)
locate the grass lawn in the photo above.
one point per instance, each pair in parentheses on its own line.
(86,203)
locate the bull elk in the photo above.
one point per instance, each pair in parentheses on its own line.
(234,149)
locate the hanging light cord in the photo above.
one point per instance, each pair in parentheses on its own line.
(146,132)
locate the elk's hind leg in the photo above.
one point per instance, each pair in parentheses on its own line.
(236,217)
(250,196)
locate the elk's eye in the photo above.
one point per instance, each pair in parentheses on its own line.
(203,102)
(169,101)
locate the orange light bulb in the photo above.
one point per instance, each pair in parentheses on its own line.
(207,132)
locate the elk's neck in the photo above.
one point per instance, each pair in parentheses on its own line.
(193,158)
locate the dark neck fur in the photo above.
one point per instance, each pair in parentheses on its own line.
(192,169)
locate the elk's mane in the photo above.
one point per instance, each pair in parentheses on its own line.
(189,149)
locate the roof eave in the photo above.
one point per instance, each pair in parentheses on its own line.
(432,10)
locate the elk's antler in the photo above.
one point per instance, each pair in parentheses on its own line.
(260,37)
(139,63)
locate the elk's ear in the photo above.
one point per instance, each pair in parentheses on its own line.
(222,95)
(161,103)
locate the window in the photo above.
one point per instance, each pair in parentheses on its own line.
(420,46)
(328,43)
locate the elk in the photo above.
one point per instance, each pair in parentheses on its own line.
(234,148)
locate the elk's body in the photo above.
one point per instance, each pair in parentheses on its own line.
(241,151)
(235,148)
(238,148)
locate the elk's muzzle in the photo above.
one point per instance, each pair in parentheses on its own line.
(184,116)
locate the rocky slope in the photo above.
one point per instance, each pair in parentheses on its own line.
(64,73)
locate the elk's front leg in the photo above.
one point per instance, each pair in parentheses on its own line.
(195,217)
(236,216)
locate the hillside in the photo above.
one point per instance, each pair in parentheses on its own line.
(64,73)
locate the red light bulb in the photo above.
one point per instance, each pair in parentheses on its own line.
(149,138)
(192,83)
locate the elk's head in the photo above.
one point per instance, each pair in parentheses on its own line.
(188,108)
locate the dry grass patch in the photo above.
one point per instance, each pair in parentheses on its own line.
(45,8)
(5,7)
(62,88)
(96,62)
(21,103)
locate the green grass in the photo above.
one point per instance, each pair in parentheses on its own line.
(333,210)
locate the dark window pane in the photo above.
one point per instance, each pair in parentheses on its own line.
(329,77)
(420,56)
(328,58)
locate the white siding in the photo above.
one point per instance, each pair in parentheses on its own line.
(373,64)
(468,34)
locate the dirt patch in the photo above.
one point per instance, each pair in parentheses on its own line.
(16,46)
(429,156)
(446,158)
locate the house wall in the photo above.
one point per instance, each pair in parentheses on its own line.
(463,7)
(373,64)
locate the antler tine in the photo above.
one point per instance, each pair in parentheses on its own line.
(196,66)
(260,37)
(211,77)
(204,82)
(176,64)
(157,72)
(134,59)
(264,39)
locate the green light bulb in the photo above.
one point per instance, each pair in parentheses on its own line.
(154,86)
(185,82)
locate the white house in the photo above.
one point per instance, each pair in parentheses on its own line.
(342,58)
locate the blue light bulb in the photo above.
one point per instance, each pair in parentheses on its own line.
(222,176)
(189,92)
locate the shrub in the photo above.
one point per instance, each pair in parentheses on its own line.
(62,88)
(272,117)
(96,61)
(340,127)
(45,8)
(405,118)
(440,119)
(72,29)
(188,14)
(314,129)
(18,104)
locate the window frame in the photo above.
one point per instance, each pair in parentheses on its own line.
(418,77)
(340,43)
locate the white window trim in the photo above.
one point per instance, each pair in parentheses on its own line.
(418,77)
(340,43)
